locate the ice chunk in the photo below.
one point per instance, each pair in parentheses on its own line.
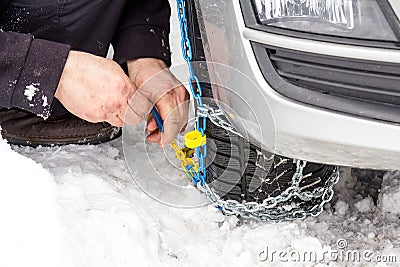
(365,204)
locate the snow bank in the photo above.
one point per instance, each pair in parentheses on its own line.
(94,215)
(101,218)
(70,217)
(30,228)
(75,216)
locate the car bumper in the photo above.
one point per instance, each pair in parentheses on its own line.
(301,131)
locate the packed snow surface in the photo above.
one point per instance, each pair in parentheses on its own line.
(78,206)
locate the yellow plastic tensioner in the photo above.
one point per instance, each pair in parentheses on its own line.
(195,139)
(185,161)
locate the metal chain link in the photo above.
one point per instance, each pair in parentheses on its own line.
(279,208)
(217,117)
(194,83)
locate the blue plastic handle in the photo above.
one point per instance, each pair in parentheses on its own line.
(157,117)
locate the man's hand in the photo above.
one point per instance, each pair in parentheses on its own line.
(95,89)
(158,86)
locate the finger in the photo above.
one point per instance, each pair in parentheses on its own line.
(185,114)
(173,122)
(115,121)
(152,128)
(151,124)
(159,85)
(131,117)
(183,97)
(132,87)
(140,104)
(154,137)
(125,113)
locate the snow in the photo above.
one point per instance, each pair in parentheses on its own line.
(29,225)
(31,90)
(12,83)
(341,207)
(390,197)
(365,205)
(78,206)
(45,102)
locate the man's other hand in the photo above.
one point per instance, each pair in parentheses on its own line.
(158,86)
(96,89)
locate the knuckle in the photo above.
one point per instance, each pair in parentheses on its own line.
(166,87)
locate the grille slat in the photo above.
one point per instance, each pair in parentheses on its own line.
(285,63)
(370,66)
(327,87)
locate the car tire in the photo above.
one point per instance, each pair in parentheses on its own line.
(239,169)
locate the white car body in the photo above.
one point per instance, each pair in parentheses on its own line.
(302,131)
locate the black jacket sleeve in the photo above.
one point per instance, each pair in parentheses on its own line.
(30,70)
(143,31)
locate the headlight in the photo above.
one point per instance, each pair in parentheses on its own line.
(348,18)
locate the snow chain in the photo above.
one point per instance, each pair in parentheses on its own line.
(279,208)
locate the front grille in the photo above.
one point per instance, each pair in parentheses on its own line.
(364,88)
(378,82)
